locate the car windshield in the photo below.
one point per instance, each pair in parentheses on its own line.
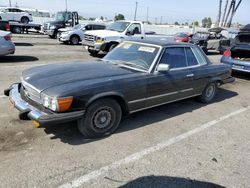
(60,16)
(133,55)
(118,26)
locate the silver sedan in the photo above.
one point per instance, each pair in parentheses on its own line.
(6,45)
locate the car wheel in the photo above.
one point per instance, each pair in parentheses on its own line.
(93,52)
(209,92)
(101,119)
(25,20)
(17,30)
(55,34)
(74,40)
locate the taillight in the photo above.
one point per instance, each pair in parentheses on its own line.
(227,53)
(7,27)
(7,37)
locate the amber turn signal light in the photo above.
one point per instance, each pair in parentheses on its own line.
(64,103)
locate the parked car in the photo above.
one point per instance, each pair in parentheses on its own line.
(16,15)
(106,40)
(182,37)
(4,26)
(239,54)
(76,34)
(134,76)
(212,41)
(6,46)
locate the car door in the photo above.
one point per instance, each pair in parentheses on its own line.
(164,87)
(8,15)
(16,14)
(136,32)
(198,67)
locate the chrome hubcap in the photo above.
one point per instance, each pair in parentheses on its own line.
(102,118)
(210,91)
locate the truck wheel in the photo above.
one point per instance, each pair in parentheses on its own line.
(54,36)
(17,30)
(25,20)
(74,40)
(93,52)
(101,119)
(209,92)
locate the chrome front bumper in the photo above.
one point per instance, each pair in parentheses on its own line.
(41,117)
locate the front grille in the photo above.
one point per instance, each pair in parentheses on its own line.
(89,38)
(30,92)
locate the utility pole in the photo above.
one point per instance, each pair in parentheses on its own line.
(147,14)
(136,5)
(66,5)
(224,13)
(161,20)
(10,3)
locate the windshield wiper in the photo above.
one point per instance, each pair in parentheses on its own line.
(130,64)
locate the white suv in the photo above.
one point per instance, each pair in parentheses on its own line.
(15,14)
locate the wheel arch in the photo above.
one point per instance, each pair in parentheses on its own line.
(119,98)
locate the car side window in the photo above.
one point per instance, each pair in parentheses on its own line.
(88,27)
(191,59)
(136,28)
(199,56)
(175,57)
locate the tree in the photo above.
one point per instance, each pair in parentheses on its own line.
(206,22)
(119,17)
(102,18)
(196,24)
(219,14)
(176,23)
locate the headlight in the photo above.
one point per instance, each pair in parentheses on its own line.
(57,104)
(52,27)
(99,40)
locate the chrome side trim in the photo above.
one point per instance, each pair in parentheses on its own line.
(159,96)
(164,103)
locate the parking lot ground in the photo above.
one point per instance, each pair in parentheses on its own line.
(182,144)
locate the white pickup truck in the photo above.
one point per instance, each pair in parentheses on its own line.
(106,40)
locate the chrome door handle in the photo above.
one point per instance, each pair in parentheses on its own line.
(190,75)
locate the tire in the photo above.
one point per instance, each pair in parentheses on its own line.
(25,20)
(74,40)
(101,119)
(93,52)
(17,30)
(209,93)
(112,47)
(54,36)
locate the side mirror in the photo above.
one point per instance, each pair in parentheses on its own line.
(163,68)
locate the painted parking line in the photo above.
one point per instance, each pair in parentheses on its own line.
(3,96)
(136,156)
(25,65)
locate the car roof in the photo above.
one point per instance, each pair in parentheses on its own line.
(162,43)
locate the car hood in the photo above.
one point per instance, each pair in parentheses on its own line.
(65,29)
(103,33)
(44,77)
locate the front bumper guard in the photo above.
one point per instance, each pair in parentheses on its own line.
(41,117)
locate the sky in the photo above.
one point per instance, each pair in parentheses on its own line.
(170,10)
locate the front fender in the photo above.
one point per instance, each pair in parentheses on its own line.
(103,95)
